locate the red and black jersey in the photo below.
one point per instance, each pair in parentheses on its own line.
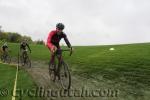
(54,39)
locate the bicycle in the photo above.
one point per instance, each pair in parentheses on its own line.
(5,57)
(61,72)
(24,59)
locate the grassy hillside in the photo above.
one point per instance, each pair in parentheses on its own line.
(127,68)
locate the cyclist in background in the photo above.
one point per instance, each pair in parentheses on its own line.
(23,48)
(24,45)
(4,49)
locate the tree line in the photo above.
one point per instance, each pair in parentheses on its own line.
(15,37)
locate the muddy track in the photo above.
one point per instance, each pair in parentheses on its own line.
(39,73)
(80,86)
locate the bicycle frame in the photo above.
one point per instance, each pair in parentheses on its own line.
(62,50)
(57,71)
(23,58)
(59,53)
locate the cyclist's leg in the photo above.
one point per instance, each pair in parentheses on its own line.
(25,56)
(22,56)
(52,62)
(21,53)
(5,54)
(59,57)
(52,56)
(52,59)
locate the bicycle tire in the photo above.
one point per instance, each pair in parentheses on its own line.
(28,62)
(20,61)
(64,71)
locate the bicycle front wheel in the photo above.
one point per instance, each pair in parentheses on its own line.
(28,62)
(65,76)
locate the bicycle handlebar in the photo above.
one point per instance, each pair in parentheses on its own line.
(66,50)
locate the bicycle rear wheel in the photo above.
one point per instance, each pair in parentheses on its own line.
(65,76)
(8,59)
(52,70)
(28,62)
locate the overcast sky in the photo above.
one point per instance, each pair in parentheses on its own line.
(88,22)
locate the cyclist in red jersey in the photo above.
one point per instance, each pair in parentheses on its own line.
(54,38)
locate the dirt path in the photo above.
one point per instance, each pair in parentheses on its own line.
(80,89)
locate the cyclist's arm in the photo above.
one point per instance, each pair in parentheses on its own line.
(28,47)
(49,44)
(67,41)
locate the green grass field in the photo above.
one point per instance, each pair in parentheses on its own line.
(127,68)
(7,76)
(7,80)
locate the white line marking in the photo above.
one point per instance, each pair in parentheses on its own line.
(15,85)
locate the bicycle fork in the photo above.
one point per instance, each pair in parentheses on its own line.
(58,70)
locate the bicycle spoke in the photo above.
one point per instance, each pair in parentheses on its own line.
(65,76)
